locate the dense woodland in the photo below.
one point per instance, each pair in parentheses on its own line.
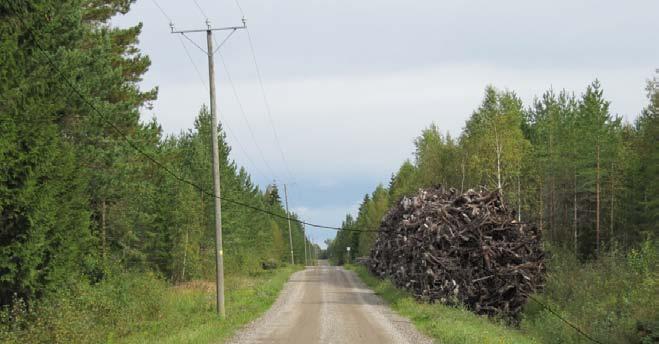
(86,207)
(79,202)
(583,175)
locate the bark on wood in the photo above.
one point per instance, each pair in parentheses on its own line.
(460,249)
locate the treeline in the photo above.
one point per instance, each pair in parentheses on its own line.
(583,175)
(78,202)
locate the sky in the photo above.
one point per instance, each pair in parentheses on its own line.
(350,84)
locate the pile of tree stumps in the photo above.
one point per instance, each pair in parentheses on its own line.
(460,249)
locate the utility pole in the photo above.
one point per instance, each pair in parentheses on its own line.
(288,215)
(219,254)
(304,232)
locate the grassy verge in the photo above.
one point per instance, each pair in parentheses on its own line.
(614,299)
(141,308)
(189,310)
(443,323)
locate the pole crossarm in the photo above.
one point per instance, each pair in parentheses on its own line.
(207,30)
(210,28)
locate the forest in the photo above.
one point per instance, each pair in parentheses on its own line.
(584,176)
(83,199)
(106,223)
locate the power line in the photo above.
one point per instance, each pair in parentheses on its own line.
(233,135)
(230,131)
(581,332)
(260,80)
(192,62)
(240,146)
(244,116)
(160,165)
(200,9)
(162,11)
(263,93)
(183,180)
(240,8)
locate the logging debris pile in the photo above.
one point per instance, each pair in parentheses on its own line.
(460,249)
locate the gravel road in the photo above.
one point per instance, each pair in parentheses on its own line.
(327,304)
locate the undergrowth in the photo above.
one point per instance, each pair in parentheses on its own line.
(445,324)
(613,299)
(141,308)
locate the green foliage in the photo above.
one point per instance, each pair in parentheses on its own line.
(86,220)
(443,323)
(86,314)
(607,298)
(584,177)
(141,308)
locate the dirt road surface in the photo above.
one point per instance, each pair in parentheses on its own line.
(328,304)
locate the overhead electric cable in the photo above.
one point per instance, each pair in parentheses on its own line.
(240,8)
(265,98)
(240,146)
(230,131)
(267,106)
(160,165)
(575,327)
(200,9)
(162,11)
(225,124)
(203,82)
(244,116)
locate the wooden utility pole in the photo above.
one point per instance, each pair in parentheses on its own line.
(304,235)
(288,215)
(219,254)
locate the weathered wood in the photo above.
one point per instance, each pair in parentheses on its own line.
(460,249)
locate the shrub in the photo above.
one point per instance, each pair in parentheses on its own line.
(608,298)
(85,313)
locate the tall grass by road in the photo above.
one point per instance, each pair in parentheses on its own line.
(614,299)
(141,308)
(445,324)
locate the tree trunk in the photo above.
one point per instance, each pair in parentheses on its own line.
(612,199)
(103,230)
(185,254)
(576,234)
(597,202)
(462,185)
(542,206)
(498,152)
(519,200)
(552,215)
(552,186)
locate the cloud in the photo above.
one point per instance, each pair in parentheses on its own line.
(331,215)
(352,83)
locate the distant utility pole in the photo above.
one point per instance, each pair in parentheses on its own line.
(288,215)
(219,254)
(304,232)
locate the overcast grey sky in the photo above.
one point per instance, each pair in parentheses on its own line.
(352,83)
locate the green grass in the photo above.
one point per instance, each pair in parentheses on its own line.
(444,324)
(609,298)
(189,314)
(614,299)
(141,308)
